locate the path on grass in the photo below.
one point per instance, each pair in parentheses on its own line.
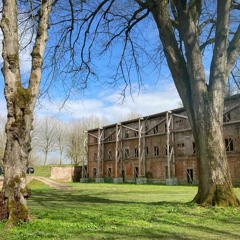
(53,184)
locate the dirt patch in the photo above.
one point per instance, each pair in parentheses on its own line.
(53,184)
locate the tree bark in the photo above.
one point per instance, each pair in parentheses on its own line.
(215,185)
(20,107)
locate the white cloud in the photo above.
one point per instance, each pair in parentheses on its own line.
(106,105)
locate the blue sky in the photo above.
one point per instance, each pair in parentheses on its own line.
(105,101)
(156,94)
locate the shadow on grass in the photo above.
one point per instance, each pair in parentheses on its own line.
(172,222)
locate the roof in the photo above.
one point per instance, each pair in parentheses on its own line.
(177,110)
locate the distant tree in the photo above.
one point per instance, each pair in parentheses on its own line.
(61,134)
(47,137)
(132,115)
(75,145)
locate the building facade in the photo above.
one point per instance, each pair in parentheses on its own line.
(158,148)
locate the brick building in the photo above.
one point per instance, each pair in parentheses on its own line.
(158,148)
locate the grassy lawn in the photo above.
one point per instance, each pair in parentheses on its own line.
(108,211)
(43,171)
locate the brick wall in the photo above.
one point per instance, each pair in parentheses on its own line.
(67,174)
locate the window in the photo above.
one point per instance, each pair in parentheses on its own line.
(227,117)
(180,145)
(109,172)
(95,140)
(95,156)
(156,151)
(126,153)
(146,151)
(165,127)
(229,144)
(190,176)
(136,152)
(136,133)
(194,147)
(179,121)
(169,147)
(146,130)
(109,139)
(109,155)
(94,170)
(118,154)
(166,172)
(126,133)
(136,172)
(155,129)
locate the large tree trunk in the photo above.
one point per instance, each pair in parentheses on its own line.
(215,186)
(20,106)
(17,149)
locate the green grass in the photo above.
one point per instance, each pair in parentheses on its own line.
(108,211)
(43,171)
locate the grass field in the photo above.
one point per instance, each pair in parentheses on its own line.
(108,211)
(43,171)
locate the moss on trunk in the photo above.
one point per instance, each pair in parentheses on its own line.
(218,195)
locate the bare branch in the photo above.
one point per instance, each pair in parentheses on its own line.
(233,50)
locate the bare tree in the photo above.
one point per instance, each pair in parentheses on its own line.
(61,134)
(76,137)
(47,137)
(132,115)
(190,32)
(74,142)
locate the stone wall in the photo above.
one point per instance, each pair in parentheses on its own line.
(66,174)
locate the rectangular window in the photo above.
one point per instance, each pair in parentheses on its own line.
(109,139)
(165,127)
(169,147)
(94,170)
(190,176)
(126,133)
(180,145)
(227,117)
(155,129)
(156,151)
(136,133)
(109,155)
(194,147)
(146,130)
(109,173)
(95,156)
(136,152)
(95,140)
(136,172)
(179,121)
(146,151)
(166,171)
(126,153)
(229,144)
